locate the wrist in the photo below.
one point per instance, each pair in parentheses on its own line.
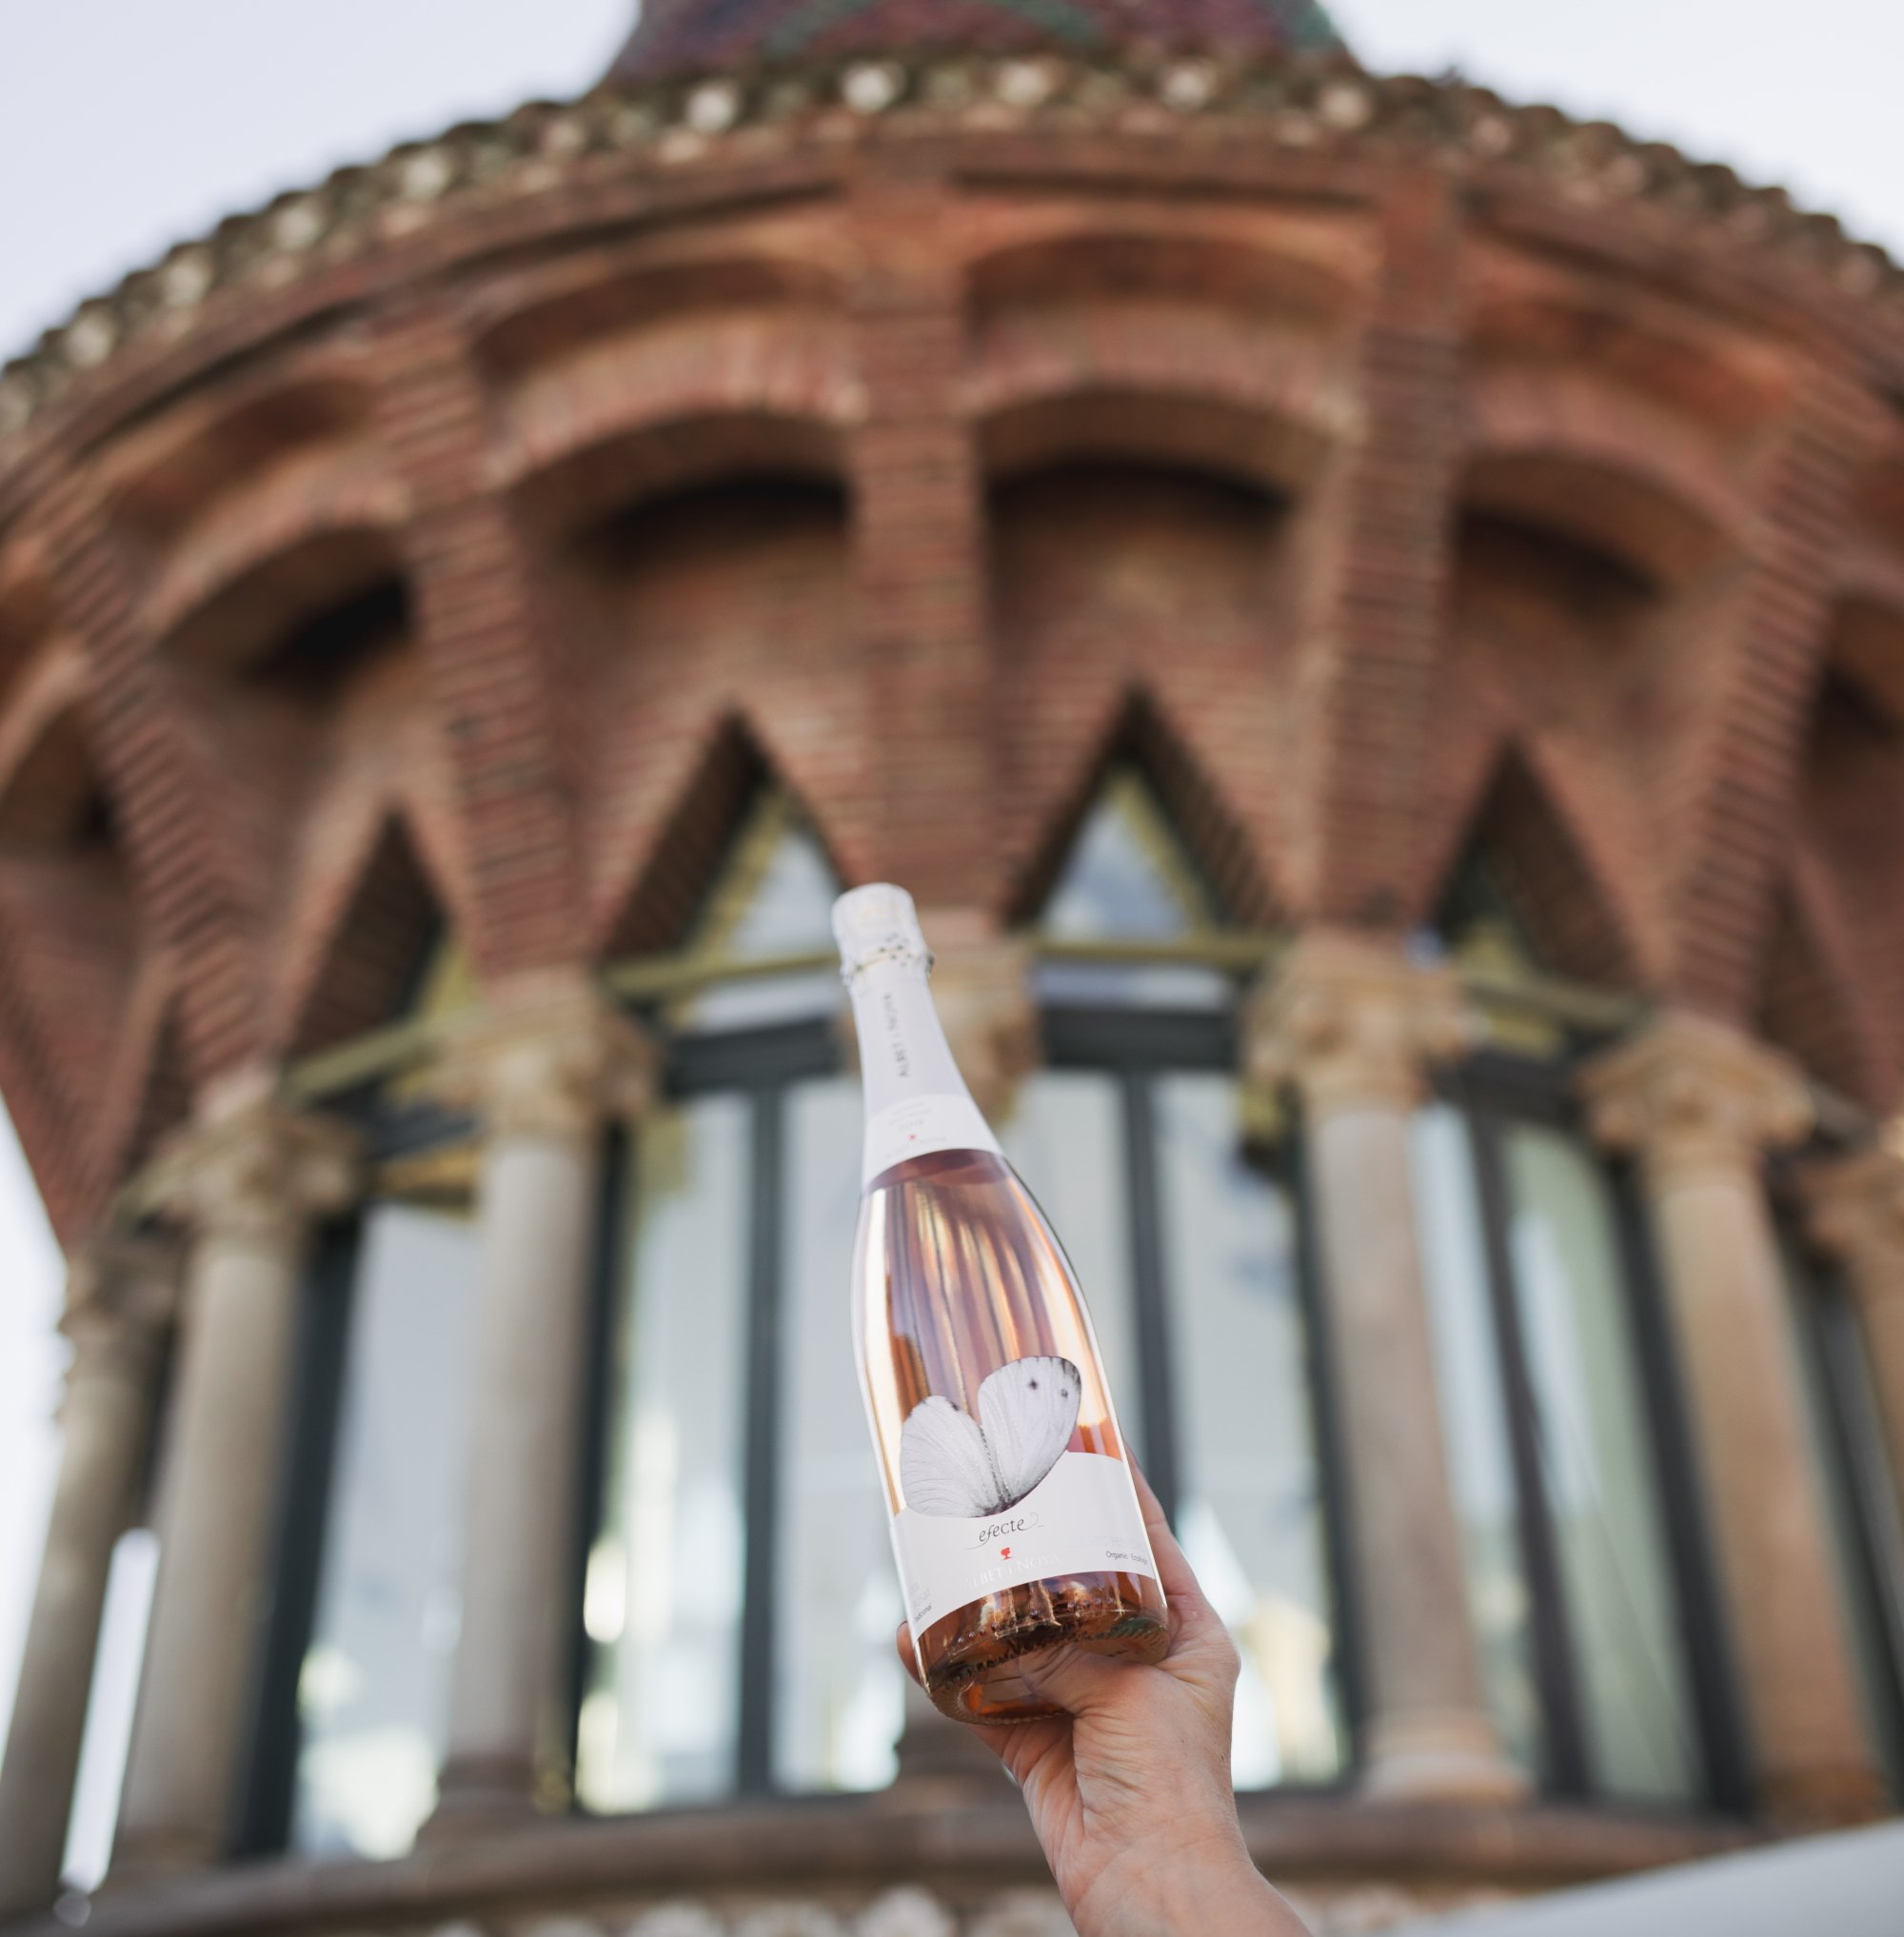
(1209,1884)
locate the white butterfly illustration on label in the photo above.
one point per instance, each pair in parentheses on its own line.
(957,1467)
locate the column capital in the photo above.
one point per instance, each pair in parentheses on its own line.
(1688,1094)
(552,1058)
(1352,1022)
(1855,1211)
(122,1292)
(258,1169)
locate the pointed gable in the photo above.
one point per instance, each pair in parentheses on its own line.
(771,898)
(384,946)
(1128,878)
(1524,895)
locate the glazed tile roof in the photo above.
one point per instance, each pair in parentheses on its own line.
(683,36)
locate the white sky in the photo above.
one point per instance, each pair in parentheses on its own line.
(126,124)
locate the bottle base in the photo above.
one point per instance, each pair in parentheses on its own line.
(995,1684)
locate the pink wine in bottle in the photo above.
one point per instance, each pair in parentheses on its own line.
(1015,1521)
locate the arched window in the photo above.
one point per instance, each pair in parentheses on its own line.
(1185,1229)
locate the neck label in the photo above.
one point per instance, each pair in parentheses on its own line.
(917,1126)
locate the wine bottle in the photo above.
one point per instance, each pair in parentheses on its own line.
(1015,1521)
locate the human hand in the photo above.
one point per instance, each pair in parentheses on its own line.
(1129,1790)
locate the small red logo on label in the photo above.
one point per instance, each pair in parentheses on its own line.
(1005,1552)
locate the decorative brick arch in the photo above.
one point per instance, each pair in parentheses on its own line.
(1203,392)
(294,573)
(568,435)
(568,309)
(1565,451)
(248,535)
(1709,376)
(48,690)
(1302,279)
(1196,426)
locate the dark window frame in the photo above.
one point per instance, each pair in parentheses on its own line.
(264,1804)
(761,1065)
(1492,1090)
(1829,1331)
(1135,1047)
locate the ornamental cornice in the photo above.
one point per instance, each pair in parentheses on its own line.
(1351,1023)
(1299,107)
(1688,1094)
(554,1060)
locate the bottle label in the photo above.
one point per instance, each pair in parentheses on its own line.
(917,1126)
(1082,1517)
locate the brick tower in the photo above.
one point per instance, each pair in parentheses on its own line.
(1370,619)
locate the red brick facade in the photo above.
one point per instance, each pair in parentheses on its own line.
(1388,470)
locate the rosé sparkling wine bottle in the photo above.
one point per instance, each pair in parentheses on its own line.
(1014,1519)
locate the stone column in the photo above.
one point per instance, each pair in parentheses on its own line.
(1854,1210)
(1698,1105)
(247,1182)
(120,1295)
(545,1069)
(1351,1025)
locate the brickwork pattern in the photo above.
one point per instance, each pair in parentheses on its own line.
(468,575)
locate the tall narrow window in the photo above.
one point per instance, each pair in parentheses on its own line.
(353,1727)
(1858,1490)
(662,1593)
(1185,1232)
(1474,1414)
(373,1688)
(739,1604)
(1577,1587)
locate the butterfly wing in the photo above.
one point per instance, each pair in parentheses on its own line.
(943,1463)
(1028,1410)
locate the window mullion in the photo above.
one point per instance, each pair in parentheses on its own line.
(1553,1660)
(1156,1396)
(263,1816)
(754,1750)
(1331,1465)
(614,1220)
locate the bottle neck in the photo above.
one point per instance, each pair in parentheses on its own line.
(917,1102)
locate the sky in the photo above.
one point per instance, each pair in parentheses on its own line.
(128,125)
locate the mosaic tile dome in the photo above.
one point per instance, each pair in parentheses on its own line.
(678,36)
